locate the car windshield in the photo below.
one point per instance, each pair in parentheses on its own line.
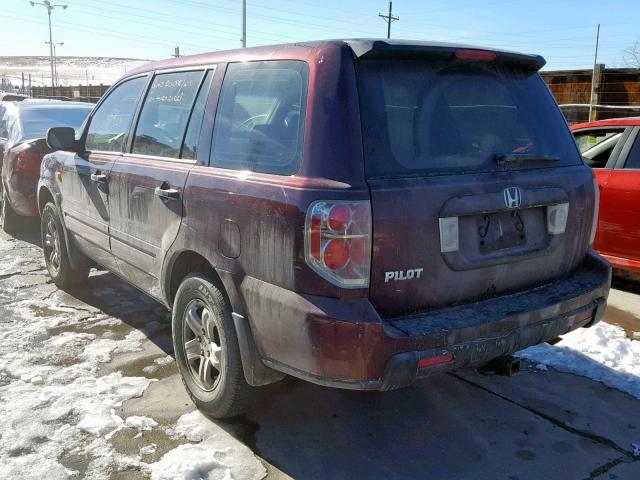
(34,122)
(441,117)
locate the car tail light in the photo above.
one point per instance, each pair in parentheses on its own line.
(596,211)
(338,242)
(557,216)
(432,361)
(28,160)
(471,54)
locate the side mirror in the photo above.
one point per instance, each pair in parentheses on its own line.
(61,138)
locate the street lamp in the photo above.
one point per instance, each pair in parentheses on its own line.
(55,60)
(50,7)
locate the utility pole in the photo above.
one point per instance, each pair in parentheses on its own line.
(176,52)
(55,62)
(593,74)
(22,89)
(50,7)
(243,40)
(30,88)
(389,18)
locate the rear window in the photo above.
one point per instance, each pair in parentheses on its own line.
(422,118)
(30,123)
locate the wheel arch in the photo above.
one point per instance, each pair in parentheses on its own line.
(44,196)
(181,263)
(185,262)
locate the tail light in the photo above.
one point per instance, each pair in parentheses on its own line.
(338,242)
(28,160)
(473,54)
(596,211)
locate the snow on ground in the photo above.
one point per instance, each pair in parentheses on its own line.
(58,411)
(71,70)
(602,352)
(189,461)
(52,400)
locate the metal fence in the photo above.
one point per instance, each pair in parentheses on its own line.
(616,92)
(79,93)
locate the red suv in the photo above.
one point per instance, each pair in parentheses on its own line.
(612,148)
(356,213)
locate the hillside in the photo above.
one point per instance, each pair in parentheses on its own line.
(71,70)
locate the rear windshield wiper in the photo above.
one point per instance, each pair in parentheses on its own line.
(508,158)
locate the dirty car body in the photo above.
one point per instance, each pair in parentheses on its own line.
(367,231)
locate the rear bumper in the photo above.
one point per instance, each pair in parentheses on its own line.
(344,343)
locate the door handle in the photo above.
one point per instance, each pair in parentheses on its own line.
(170,193)
(99,177)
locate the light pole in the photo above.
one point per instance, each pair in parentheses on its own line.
(243,24)
(50,7)
(55,61)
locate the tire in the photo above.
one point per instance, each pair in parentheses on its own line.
(210,365)
(55,249)
(9,219)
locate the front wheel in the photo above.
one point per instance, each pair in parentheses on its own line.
(206,349)
(55,249)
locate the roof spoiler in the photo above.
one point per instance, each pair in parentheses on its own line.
(374,49)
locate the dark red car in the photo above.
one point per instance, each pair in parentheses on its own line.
(356,213)
(23,127)
(612,148)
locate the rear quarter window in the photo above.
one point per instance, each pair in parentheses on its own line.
(596,146)
(260,120)
(432,117)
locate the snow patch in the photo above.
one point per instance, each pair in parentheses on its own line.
(53,402)
(149,449)
(602,352)
(141,423)
(189,462)
(164,360)
(218,455)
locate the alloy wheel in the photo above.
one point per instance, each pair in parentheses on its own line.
(52,246)
(202,345)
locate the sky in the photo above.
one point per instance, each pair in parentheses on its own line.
(563,31)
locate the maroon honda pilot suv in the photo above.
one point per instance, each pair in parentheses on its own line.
(359,214)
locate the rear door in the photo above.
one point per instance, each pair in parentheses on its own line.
(619,227)
(601,149)
(147,182)
(477,187)
(85,178)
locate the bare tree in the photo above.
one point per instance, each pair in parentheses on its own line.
(631,55)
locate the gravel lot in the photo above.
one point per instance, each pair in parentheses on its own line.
(89,389)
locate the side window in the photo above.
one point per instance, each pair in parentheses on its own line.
(633,159)
(190,146)
(110,123)
(260,119)
(165,113)
(596,146)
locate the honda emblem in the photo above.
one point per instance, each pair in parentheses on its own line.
(512,197)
